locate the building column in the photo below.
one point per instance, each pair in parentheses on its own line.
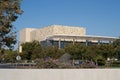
(110,42)
(73,41)
(64,43)
(99,42)
(59,43)
(86,43)
(20,49)
(47,42)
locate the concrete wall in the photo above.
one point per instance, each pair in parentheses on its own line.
(30,34)
(22,36)
(59,74)
(69,30)
(25,35)
(43,33)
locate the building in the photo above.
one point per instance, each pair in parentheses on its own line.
(61,35)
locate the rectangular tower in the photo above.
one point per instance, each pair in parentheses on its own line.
(25,35)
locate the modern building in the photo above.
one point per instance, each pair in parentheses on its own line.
(61,35)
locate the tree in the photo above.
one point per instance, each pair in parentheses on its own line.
(76,50)
(100,61)
(9,11)
(53,52)
(91,52)
(31,50)
(117,52)
(116,42)
(116,45)
(9,56)
(106,50)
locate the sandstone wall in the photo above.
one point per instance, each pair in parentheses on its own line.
(43,33)
(25,35)
(68,30)
(30,34)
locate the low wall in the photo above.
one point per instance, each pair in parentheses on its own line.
(59,74)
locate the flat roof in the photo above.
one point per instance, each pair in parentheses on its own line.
(86,37)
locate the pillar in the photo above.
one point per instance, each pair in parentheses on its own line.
(20,49)
(59,43)
(110,42)
(73,41)
(86,43)
(47,42)
(99,42)
(64,43)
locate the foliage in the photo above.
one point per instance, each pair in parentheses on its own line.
(76,50)
(50,57)
(46,63)
(106,50)
(115,64)
(117,52)
(31,50)
(116,45)
(50,63)
(9,56)
(9,11)
(91,52)
(52,52)
(88,64)
(116,42)
(100,60)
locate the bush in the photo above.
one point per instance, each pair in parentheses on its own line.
(101,62)
(50,63)
(115,64)
(88,65)
(46,64)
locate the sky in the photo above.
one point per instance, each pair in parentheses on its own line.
(99,17)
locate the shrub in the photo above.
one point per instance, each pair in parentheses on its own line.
(101,62)
(46,64)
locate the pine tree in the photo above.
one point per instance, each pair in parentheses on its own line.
(9,12)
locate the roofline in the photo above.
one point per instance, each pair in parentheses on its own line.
(84,37)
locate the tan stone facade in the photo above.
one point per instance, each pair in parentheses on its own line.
(30,34)
(25,35)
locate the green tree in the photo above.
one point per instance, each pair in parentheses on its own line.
(116,45)
(100,60)
(91,52)
(9,56)
(52,52)
(37,52)
(31,50)
(117,52)
(106,50)
(76,50)
(9,11)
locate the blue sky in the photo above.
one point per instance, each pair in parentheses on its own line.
(99,17)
